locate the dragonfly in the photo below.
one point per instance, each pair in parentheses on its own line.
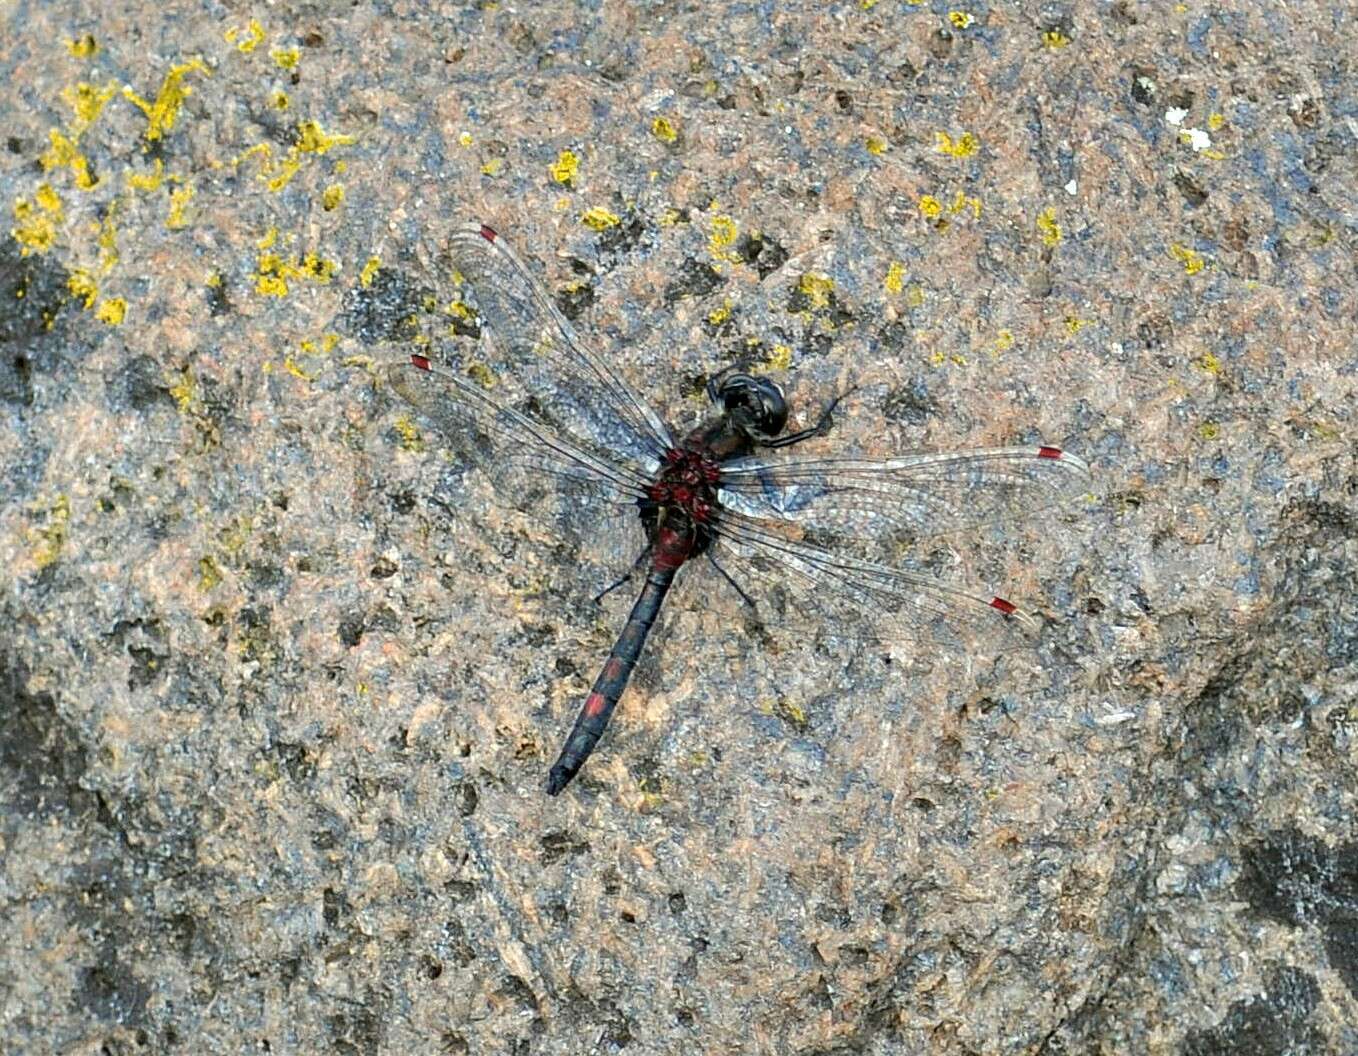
(796,539)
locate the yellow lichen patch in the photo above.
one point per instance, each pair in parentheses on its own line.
(914,296)
(1048,227)
(816,289)
(930,207)
(268,239)
(214,280)
(1209,363)
(247,42)
(670,217)
(663,129)
(286,58)
(332,197)
(108,240)
(62,154)
(961,19)
(599,218)
(961,201)
(721,238)
(720,315)
(48,540)
(138,181)
(1004,341)
(179,198)
(83,287)
(462,310)
(779,358)
(184,392)
(1074,324)
(283,175)
(87,102)
(36,222)
(162,114)
(313,139)
(279,100)
(370,269)
(292,367)
(112,311)
(1192,261)
(875,145)
(964,146)
(1209,430)
(492,167)
(895,277)
(209,575)
(85,47)
(1054,39)
(565,168)
(1215,121)
(466,139)
(273,272)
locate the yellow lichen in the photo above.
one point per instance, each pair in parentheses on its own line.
(162,114)
(209,575)
(332,197)
(111,311)
(62,154)
(1192,261)
(1209,363)
(1054,38)
(895,277)
(723,232)
(599,218)
(1074,324)
(1004,341)
(481,374)
(961,19)
(930,207)
(663,129)
(83,47)
(179,199)
(286,58)
(875,145)
(36,225)
(313,139)
(1209,430)
(492,167)
(370,269)
(151,181)
(565,168)
(963,147)
(248,43)
(87,102)
(779,358)
(47,542)
(83,287)
(816,288)
(719,315)
(1049,227)
(279,100)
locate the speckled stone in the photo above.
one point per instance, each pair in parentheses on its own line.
(280,683)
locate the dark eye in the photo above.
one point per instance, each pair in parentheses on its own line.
(755,404)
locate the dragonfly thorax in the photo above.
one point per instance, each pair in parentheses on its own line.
(687,481)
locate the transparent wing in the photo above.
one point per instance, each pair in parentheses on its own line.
(534,360)
(841,543)
(874,508)
(585,506)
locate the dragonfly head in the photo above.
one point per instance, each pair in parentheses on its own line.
(753,404)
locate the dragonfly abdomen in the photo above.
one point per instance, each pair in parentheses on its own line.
(608,687)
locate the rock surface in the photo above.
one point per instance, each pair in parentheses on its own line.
(279,683)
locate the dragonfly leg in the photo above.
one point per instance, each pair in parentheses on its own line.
(641,561)
(821,427)
(734,585)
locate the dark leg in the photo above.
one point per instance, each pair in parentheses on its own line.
(821,427)
(627,576)
(734,585)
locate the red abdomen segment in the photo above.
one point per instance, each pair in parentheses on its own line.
(612,680)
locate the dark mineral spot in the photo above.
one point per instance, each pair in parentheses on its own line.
(386,309)
(572,300)
(762,253)
(695,279)
(1274,1023)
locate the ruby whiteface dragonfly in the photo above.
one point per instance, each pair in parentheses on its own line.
(807,540)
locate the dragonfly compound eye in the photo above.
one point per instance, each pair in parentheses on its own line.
(754,403)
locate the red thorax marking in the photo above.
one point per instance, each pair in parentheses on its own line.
(1049,452)
(419,361)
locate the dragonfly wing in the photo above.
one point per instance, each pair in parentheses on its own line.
(841,542)
(534,358)
(878,507)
